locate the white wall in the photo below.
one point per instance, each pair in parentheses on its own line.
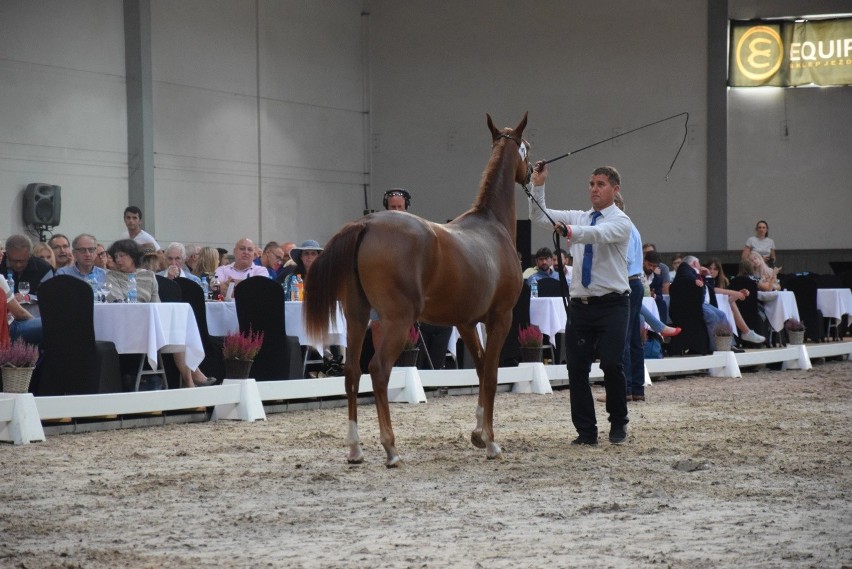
(63,117)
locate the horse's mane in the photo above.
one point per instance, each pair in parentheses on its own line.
(492,175)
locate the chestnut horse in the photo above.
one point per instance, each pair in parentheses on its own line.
(410,269)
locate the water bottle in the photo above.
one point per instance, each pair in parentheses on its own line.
(93,282)
(300,287)
(10,280)
(288,289)
(132,293)
(534,289)
(205,288)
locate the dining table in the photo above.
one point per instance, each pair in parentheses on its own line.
(150,328)
(779,306)
(834,302)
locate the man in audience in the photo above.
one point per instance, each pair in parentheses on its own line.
(85,252)
(543,270)
(192,252)
(61,250)
(271,258)
(690,269)
(133,222)
(242,267)
(23,266)
(175,260)
(101,257)
(567,262)
(656,282)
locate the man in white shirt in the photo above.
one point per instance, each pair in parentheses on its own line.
(133,222)
(175,259)
(599,298)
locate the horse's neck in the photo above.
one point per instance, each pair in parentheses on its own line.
(497,194)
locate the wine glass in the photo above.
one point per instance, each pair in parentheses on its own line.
(24,289)
(105,290)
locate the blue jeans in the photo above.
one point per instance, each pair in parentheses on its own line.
(712,316)
(646,316)
(29,330)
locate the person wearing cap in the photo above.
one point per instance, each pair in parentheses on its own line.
(303,257)
(243,266)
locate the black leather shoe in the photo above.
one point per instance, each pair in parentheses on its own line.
(738,350)
(618,436)
(584,440)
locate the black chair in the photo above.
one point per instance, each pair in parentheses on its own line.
(805,289)
(212,365)
(685,300)
(751,310)
(840,267)
(260,307)
(169,290)
(549,287)
(73,362)
(510,354)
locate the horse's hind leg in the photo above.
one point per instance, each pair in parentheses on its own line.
(355,332)
(380,368)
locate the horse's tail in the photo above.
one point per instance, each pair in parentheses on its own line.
(330,274)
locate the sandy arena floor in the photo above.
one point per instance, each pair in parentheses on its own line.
(717,473)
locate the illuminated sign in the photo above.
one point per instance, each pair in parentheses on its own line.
(787,54)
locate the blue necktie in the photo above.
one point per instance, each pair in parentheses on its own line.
(587,255)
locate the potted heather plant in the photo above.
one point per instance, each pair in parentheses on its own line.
(795,331)
(410,350)
(17,360)
(722,334)
(531,339)
(239,351)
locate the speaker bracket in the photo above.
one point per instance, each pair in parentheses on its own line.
(42,231)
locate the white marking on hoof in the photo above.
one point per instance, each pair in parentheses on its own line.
(494,452)
(394,462)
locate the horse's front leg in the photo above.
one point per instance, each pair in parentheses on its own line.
(496,328)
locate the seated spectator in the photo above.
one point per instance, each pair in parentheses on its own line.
(656,279)
(761,244)
(128,255)
(102,258)
(22,324)
(150,261)
(677,259)
(543,259)
(61,250)
(23,266)
(43,251)
(662,270)
(224,257)
(242,267)
(271,258)
(756,268)
(567,263)
(206,263)
(718,273)
(303,256)
(85,251)
(191,253)
(175,260)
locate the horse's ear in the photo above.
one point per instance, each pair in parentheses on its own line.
(519,130)
(494,131)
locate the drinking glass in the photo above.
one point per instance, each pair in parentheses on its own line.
(24,289)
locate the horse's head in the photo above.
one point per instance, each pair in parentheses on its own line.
(523,169)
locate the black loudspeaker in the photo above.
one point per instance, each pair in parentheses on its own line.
(523,241)
(42,204)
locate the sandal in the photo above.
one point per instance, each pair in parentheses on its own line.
(210,381)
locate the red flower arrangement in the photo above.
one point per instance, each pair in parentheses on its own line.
(412,339)
(238,346)
(19,354)
(530,336)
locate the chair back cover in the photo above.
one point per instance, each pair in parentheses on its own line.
(260,307)
(169,290)
(685,300)
(549,287)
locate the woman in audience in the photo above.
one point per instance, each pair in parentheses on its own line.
(718,273)
(676,261)
(21,323)
(761,244)
(766,277)
(43,251)
(150,261)
(128,256)
(207,263)
(304,256)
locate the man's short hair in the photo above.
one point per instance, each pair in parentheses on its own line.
(179,246)
(81,236)
(543,253)
(611,173)
(271,245)
(18,243)
(56,236)
(653,257)
(133,209)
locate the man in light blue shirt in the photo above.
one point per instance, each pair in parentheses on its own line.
(84,249)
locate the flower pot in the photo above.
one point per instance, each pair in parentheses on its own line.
(723,343)
(237,369)
(17,379)
(408,358)
(532,353)
(796,336)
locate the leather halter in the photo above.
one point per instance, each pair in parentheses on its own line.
(520,143)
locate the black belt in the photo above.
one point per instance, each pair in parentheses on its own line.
(634,277)
(599,299)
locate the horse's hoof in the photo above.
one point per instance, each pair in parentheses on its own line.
(476,439)
(494,452)
(395,462)
(358,460)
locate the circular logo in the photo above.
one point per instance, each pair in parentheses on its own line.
(759,53)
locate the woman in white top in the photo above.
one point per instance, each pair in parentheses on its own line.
(761,243)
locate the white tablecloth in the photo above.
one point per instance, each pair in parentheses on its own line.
(222,320)
(548,313)
(834,302)
(149,328)
(651,304)
(779,305)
